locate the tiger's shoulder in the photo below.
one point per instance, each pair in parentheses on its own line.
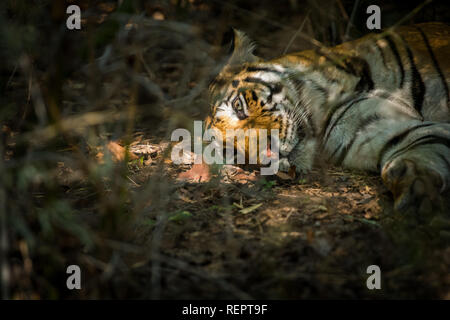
(426,42)
(409,61)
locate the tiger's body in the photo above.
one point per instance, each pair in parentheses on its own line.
(379,103)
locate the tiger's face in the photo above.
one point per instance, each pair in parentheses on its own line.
(253,99)
(242,102)
(247,94)
(250,93)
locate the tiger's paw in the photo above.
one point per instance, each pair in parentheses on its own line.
(284,165)
(287,166)
(415,188)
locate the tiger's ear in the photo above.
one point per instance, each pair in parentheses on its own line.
(241,52)
(242,49)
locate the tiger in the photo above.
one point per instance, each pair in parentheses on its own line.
(379,103)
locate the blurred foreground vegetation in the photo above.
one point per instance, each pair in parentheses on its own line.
(136,71)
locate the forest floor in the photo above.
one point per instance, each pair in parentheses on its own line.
(236,234)
(306,237)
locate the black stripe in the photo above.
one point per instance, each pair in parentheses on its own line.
(361,68)
(254,96)
(256,80)
(395,140)
(231,94)
(274,88)
(263,69)
(435,63)
(418,87)
(301,134)
(311,124)
(352,65)
(389,97)
(298,84)
(329,116)
(428,139)
(394,50)
(355,66)
(361,127)
(330,128)
(319,87)
(341,151)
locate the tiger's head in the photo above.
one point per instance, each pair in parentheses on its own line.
(251,94)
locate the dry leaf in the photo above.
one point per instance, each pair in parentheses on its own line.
(283,175)
(244,176)
(198,173)
(118,152)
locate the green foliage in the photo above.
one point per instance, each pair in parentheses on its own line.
(180,216)
(269,184)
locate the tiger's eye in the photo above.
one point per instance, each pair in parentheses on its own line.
(238,107)
(237,104)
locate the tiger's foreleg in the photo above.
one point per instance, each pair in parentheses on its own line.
(377,134)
